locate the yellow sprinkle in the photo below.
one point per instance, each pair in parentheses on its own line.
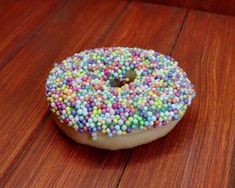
(150,92)
(115,120)
(94,112)
(103,131)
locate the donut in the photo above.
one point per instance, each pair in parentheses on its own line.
(118,97)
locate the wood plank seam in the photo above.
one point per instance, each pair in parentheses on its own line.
(127,162)
(231,169)
(8,59)
(216,6)
(186,162)
(178,34)
(29,142)
(172,49)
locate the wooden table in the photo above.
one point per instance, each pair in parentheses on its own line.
(199,152)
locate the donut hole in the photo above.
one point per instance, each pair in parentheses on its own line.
(129,77)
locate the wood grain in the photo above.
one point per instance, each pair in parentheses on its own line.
(217,6)
(57,161)
(148,26)
(23,106)
(200,151)
(232,168)
(20,21)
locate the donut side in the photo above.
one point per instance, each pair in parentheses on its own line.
(135,138)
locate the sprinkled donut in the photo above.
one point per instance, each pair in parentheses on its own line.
(119,97)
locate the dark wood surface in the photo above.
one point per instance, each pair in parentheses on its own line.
(199,152)
(20,21)
(216,6)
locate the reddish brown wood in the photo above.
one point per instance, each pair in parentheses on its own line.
(199,152)
(232,168)
(12,13)
(53,159)
(19,21)
(217,6)
(22,98)
(148,26)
